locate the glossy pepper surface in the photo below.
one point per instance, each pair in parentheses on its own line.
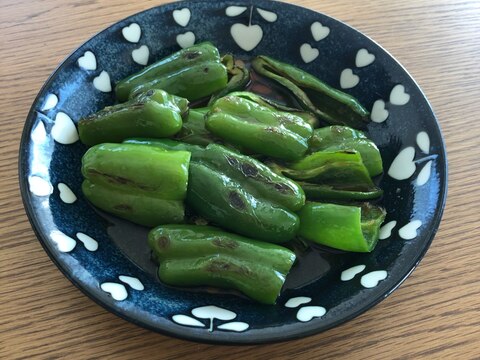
(333,138)
(349,228)
(238,74)
(238,192)
(193,130)
(143,184)
(154,113)
(192,255)
(329,104)
(246,123)
(193,73)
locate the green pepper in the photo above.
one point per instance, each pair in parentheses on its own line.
(238,192)
(333,138)
(329,104)
(193,73)
(143,184)
(349,228)
(258,128)
(192,255)
(154,113)
(239,76)
(193,130)
(328,192)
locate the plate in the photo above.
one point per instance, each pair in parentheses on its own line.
(108,259)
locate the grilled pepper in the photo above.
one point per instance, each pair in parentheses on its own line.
(329,104)
(246,123)
(349,228)
(192,255)
(192,73)
(153,113)
(238,192)
(193,130)
(333,138)
(143,184)
(239,76)
(331,175)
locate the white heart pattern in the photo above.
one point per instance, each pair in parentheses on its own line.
(90,243)
(308,53)
(64,243)
(39,134)
(102,82)
(267,15)
(247,36)
(66,194)
(39,186)
(398,96)
(237,326)
(379,114)
(409,231)
(348,79)
(297,301)
(423,142)
(50,102)
(364,58)
(372,279)
(182,17)
(140,55)
(187,320)
(64,130)
(232,11)
(186,40)
(307,313)
(133,282)
(132,33)
(386,230)
(403,166)
(117,291)
(350,273)
(424,174)
(88,61)
(319,32)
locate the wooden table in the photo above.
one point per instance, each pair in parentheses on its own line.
(434,314)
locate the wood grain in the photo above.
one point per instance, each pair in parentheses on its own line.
(434,314)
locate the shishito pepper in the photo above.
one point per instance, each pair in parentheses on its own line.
(329,104)
(192,255)
(238,192)
(246,123)
(333,138)
(192,73)
(193,130)
(140,183)
(349,228)
(239,77)
(331,175)
(154,113)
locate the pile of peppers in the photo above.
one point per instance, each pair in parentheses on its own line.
(227,178)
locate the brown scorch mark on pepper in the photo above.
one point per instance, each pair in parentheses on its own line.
(220,266)
(236,201)
(163,242)
(249,170)
(192,55)
(225,243)
(120,180)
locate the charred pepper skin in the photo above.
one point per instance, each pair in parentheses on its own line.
(193,73)
(154,113)
(246,123)
(192,255)
(349,228)
(329,104)
(143,184)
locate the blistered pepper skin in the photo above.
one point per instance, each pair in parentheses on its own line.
(192,255)
(180,73)
(245,123)
(143,184)
(349,228)
(154,113)
(329,104)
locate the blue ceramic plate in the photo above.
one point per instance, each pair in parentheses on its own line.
(108,259)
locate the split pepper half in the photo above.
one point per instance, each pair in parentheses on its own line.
(242,120)
(192,73)
(329,104)
(238,192)
(143,184)
(192,255)
(154,113)
(349,228)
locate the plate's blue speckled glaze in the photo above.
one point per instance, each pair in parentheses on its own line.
(329,50)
